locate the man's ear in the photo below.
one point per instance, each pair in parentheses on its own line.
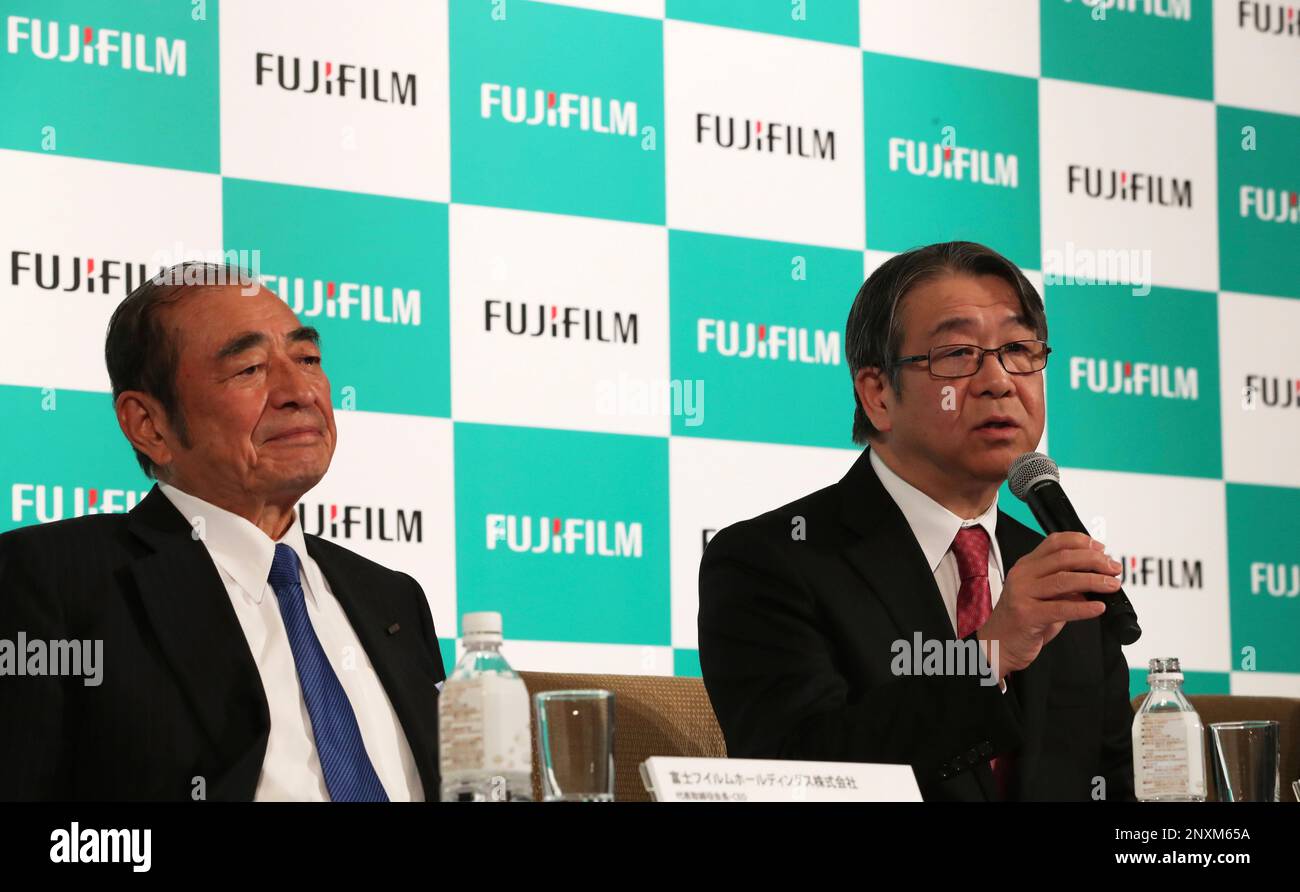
(145,424)
(876,395)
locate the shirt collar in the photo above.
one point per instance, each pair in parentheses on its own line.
(934,526)
(239,547)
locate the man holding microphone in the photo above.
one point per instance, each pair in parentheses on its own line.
(807,612)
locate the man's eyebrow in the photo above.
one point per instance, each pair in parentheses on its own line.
(245,341)
(305,333)
(241,343)
(965,323)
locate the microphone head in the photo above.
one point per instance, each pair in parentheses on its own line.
(1028,470)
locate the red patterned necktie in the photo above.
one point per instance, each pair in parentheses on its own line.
(974,604)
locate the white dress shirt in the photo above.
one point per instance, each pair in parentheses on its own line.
(935,528)
(291,769)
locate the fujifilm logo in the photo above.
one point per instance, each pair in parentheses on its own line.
(131,52)
(1269,205)
(1271,391)
(344,80)
(78,845)
(39,503)
(369,522)
(933,160)
(522,533)
(1160,9)
(347,300)
(1153,571)
(1134,378)
(771,138)
(563,323)
(1278,580)
(89,275)
(1121,185)
(743,340)
(519,105)
(1268,18)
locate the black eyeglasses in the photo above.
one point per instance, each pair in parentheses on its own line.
(964,360)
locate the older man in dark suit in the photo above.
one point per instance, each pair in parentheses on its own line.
(811,615)
(242,659)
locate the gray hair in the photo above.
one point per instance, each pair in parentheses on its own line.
(873,334)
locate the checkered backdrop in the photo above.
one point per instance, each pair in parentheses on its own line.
(582,271)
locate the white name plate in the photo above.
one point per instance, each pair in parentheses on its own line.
(688,779)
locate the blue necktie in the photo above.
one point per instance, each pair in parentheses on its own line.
(349,775)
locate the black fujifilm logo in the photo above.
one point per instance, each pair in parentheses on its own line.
(54,272)
(1268,18)
(343,80)
(538,320)
(727,132)
(1272,391)
(1160,572)
(1134,186)
(363,522)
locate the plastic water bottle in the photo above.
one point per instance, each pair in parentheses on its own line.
(485,744)
(1168,740)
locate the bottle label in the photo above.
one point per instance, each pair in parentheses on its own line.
(1168,759)
(483,726)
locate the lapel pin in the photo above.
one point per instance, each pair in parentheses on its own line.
(392,630)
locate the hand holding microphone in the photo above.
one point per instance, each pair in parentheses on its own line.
(1067,577)
(1036,480)
(1047,588)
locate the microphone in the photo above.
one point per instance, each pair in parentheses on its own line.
(1036,480)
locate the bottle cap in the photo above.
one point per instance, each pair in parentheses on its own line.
(1163,665)
(485,623)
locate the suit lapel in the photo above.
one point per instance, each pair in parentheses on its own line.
(888,556)
(372,611)
(200,637)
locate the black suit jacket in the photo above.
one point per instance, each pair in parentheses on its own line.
(796,638)
(181,696)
